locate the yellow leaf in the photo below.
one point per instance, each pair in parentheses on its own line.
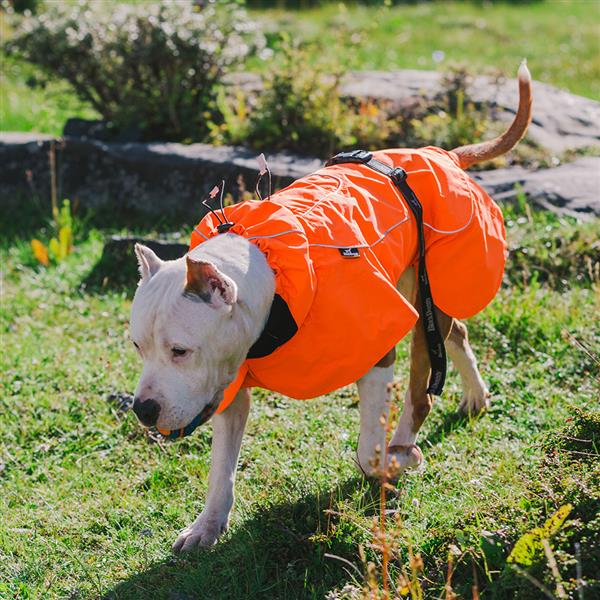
(526,548)
(555,522)
(54,248)
(530,543)
(65,237)
(40,252)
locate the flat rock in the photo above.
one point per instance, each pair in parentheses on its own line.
(172,179)
(126,178)
(561,120)
(572,188)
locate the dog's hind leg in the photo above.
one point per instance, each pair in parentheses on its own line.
(375,392)
(475,393)
(228,429)
(402,451)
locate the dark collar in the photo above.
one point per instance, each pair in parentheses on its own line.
(279,329)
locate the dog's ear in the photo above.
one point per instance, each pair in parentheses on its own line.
(148,262)
(205,282)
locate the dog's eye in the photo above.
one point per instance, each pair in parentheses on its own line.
(175,351)
(136,346)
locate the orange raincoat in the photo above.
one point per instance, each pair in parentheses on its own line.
(338,241)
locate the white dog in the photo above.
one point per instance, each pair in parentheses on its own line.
(194,320)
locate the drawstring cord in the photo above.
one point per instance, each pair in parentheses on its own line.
(224,224)
(263,169)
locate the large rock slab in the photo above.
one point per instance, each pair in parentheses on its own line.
(161,179)
(172,179)
(572,188)
(560,120)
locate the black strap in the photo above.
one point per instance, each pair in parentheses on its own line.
(435,340)
(279,328)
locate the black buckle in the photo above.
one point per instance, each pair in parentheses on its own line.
(398,175)
(224,227)
(354,156)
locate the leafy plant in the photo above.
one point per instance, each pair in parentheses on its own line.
(151,67)
(234,109)
(60,246)
(453,120)
(301,109)
(579,438)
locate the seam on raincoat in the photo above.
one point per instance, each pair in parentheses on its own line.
(472,200)
(380,239)
(454,230)
(266,237)
(318,202)
(200,233)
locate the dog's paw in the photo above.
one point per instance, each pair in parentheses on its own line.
(475,401)
(202,533)
(403,458)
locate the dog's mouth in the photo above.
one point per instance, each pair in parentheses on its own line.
(205,414)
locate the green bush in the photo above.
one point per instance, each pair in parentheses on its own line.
(152,67)
(452,119)
(300,109)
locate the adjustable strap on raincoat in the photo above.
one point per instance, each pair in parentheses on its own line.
(433,335)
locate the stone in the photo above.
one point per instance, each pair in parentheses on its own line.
(100,130)
(135,178)
(560,120)
(572,189)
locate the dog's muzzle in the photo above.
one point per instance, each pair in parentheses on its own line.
(205,414)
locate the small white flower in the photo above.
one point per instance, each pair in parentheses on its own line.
(438,56)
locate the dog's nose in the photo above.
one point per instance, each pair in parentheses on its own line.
(147,411)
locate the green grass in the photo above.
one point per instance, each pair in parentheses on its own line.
(90,505)
(560,40)
(30,103)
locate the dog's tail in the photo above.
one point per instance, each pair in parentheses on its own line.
(474,153)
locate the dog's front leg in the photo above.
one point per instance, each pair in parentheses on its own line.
(374,390)
(228,429)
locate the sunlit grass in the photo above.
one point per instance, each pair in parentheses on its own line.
(90,506)
(559,39)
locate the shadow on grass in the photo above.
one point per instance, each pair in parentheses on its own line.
(278,553)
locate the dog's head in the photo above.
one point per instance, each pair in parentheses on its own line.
(185,328)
